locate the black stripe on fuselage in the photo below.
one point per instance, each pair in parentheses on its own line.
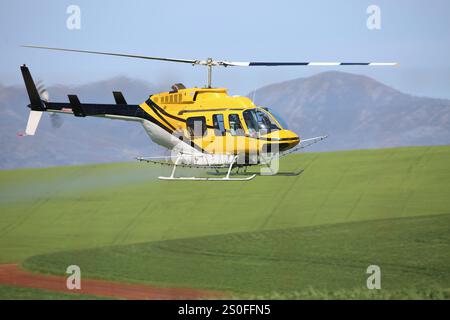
(158,110)
(279,139)
(150,103)
(155,110)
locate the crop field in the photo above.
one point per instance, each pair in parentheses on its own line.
(14,293)
(306,236)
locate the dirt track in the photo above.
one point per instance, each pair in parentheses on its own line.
(11,274)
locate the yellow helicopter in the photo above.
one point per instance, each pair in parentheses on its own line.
(202,127)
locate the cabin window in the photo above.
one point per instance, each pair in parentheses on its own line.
(236,128)
(218,124)
(251,121)
(196,126)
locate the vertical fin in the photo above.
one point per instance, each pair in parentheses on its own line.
(35,100)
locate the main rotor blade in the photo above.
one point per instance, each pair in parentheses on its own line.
(115,54)
(274,64)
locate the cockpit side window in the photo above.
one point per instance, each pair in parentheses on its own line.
(236,128)
(218,124)
(251,121)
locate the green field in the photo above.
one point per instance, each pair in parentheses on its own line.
(412,252)
(311,235)
(15,293)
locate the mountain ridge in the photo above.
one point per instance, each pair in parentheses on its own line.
(357,112)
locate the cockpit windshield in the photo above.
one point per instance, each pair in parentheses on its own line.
(279,119)
(260,120)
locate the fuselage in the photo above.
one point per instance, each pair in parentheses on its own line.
(208,120)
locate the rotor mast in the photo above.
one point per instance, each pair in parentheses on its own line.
(209,75)
(208,63)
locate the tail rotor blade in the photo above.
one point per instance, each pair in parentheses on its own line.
(42,90)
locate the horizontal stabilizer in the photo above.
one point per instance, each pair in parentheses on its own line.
(76,106)
(33,122)
(119,98)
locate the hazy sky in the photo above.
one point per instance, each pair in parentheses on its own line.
(414,33)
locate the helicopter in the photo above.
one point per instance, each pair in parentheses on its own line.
(203,128)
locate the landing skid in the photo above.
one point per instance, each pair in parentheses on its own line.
(208,178)
(226,178)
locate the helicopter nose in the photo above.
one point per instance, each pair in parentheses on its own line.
(288,134)
(282,140)
(288,140)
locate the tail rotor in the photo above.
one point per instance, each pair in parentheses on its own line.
(55,119)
